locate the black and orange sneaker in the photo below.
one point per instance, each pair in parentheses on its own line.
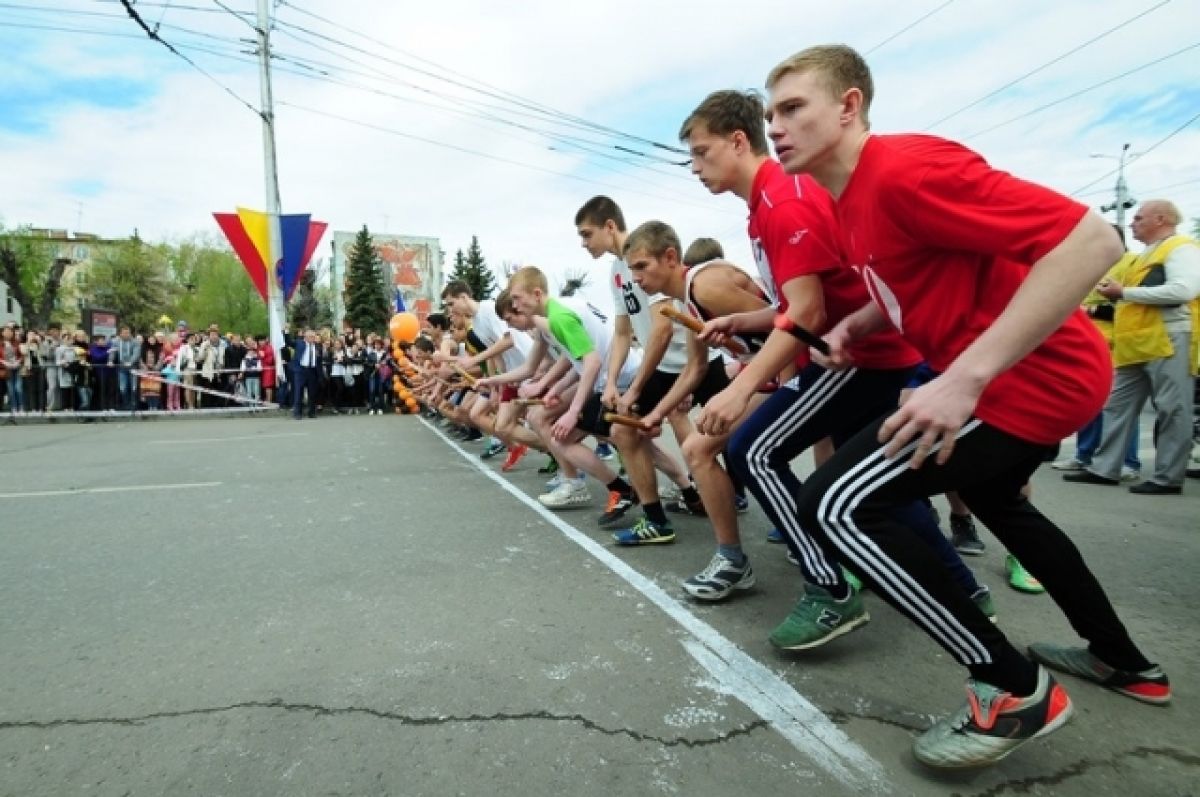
(1149,686)
(616,507)
(993,724)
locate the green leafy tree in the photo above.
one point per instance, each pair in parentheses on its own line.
(33,272)
(213,287)
(367,304)
(311,306)
(473,270)
(133,279)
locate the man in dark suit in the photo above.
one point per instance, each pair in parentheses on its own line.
(306,369)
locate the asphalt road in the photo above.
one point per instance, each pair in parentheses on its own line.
(353,606)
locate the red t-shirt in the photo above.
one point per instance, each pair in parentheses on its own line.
(943,241)
(793,232)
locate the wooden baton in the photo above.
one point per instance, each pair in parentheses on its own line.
(696,325)
(625,420)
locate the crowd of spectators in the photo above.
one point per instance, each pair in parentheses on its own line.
(59,370)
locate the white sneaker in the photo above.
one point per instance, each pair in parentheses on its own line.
(1071,464)
(571,494)
(1128,474)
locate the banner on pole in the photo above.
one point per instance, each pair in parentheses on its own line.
(248,232)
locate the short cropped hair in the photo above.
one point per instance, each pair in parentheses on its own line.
(529,278)
(456,288)
(703,250)
(438,321)
(424,344)
(653,237)
(504,303)
(726,112)
(598,210)
(839,67)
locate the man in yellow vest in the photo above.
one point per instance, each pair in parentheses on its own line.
(1155,332)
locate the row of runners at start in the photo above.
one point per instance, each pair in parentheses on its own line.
(927,273)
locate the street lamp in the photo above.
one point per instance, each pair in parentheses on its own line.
(1123,201)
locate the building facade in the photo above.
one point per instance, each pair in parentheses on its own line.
(412,269)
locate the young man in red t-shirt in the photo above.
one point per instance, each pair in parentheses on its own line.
(793,233)
(983,274)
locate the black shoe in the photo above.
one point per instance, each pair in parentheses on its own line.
(1193,473)
(1087,477)
(964,537)
(1154,488)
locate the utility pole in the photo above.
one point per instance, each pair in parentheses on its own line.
(275,309)
(1123,201)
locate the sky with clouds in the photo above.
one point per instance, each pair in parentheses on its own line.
(429,119)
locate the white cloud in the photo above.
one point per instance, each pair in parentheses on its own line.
(166,163)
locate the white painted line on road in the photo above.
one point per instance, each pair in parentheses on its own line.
(173,442)
(132,488)
(738,674)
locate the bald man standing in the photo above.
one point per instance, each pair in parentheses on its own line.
(1155,331)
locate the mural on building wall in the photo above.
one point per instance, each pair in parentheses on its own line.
(411,267)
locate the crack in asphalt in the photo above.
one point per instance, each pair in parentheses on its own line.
(841,717)
(318,710)
(1025,785)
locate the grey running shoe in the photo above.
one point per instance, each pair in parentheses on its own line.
(1148,686)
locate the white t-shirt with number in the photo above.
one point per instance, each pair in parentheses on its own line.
(630,300)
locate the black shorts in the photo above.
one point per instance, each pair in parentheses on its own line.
(660,383)
(591,417)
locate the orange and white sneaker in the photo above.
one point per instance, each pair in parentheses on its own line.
(514,456)
(993,724)
(616,507)
(1148,686)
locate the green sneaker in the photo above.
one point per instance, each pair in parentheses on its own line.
(1019,578)
(854,581)
(550,468)
(983,599)
(645,532)
(817,619)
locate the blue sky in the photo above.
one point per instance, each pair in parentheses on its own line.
(116,131)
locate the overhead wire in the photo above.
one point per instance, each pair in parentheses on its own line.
(156,37)
(1082,91)
(1142,154)
(1050,63)
(481,154)
(479,86)
(908,27)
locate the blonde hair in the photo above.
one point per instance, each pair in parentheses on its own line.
(654,238)
(839,68)
(529,278)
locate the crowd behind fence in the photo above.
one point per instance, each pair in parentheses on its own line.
(56,371)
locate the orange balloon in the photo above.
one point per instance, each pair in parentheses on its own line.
(404,327)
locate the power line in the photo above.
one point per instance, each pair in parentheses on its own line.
(236,15)
(1083,91)
(154,36)
(1141,154)
(484,107)
(478,153)
(1050,63)
(488,90)
(908,27)
(1154,190)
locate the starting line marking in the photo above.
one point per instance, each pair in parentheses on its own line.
(125,489)
(739,675)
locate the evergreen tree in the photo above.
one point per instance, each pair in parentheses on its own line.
(308,309)
(473,270)
(367,304)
